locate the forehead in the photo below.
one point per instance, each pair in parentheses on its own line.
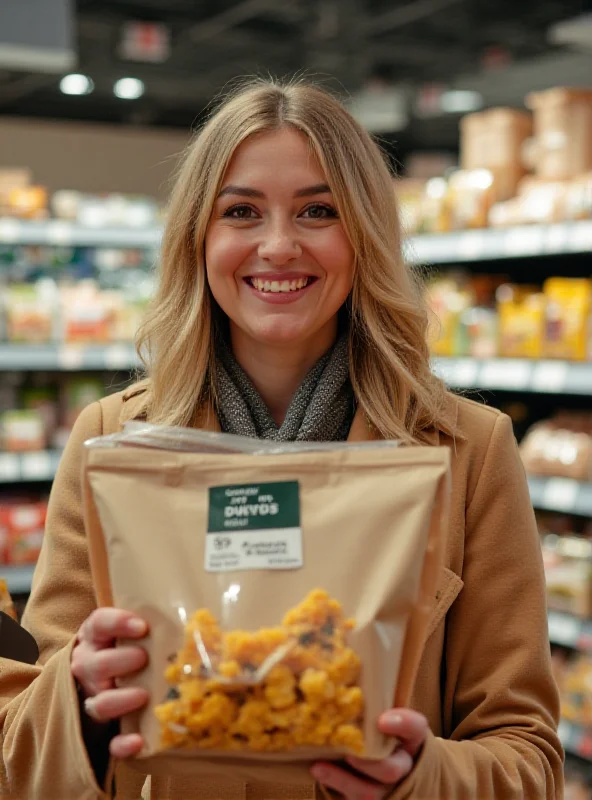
(285,155)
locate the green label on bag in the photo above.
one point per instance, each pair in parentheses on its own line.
(254,526)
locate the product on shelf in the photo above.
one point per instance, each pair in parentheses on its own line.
(469,198)
(447,299)
(521,322)
(560,447)
(494,140)
(562,148)
(22,523)
(29,312)
(44,401)
(576,691)
(22,431)
(568,573)
(410,192)
(79,392)
(18,198)
(567,329)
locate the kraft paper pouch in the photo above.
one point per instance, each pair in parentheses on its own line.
(287,588)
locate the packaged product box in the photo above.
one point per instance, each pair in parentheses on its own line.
(560,447)
(577,202)
(576,694)
(568,574)
(86,315)
(494,140)
(521,322)
(77,393)
(567,319)
(23,526)
(264,652)
(22,431)
(12,178)
(44,400)
(562,132)
(29,313)
(434,213)
(409,193)
(27,203)
(470,196)
(447,300)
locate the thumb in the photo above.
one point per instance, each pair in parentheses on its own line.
(409,727)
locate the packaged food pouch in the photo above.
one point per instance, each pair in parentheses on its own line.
(287,588)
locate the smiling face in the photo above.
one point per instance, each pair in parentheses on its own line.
(278,260)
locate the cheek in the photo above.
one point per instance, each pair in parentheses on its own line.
(224,253)
(336,256)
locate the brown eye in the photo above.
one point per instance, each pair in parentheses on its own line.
(240,212)
(319,211)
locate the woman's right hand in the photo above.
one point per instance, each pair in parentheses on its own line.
(96,663)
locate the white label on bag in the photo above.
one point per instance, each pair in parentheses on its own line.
(255,526)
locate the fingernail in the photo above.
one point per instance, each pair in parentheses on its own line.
(90,707)
(319,773)
(393,718)
(136,626)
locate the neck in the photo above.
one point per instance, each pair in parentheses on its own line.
(277,372)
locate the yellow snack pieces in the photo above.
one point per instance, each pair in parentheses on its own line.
(269,690)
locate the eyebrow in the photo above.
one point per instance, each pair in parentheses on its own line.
(247,191)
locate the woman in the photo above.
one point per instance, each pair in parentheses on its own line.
(285,311)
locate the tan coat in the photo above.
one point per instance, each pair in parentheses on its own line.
(484,682)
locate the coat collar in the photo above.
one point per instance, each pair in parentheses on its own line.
(135,406)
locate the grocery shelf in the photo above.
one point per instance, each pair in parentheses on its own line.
(561,494)
(69,234)
(67,357)
(569,631)
(447,248)
(24,467)
(18,579)
(516,374)
(576,740)
(524,241)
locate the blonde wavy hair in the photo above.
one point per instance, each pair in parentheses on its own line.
(389,358)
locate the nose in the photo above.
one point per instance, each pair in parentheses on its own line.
(279,244)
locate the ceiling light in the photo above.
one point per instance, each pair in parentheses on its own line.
(461,101)
(76,84)
(128,88)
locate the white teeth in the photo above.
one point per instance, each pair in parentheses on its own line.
(279,286)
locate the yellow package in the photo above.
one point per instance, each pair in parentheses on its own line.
(521,322)
(567,318)
(447,302)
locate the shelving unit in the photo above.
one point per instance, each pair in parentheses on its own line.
(67,357)
(576,740)
(69,234)
(516,374)
(26,467)
(524,241)
(18,579)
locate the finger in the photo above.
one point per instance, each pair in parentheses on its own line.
(392,770)
(126,746)
(409,727)
(104,665)
(105,625)
(350,786)
(114,703)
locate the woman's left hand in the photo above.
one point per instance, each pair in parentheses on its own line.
(376,779)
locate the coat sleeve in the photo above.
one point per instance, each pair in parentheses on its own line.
(498,687)
(43,754)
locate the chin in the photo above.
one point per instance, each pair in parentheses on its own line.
(280,334)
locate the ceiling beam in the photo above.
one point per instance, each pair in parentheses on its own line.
(408,14)
(218,24)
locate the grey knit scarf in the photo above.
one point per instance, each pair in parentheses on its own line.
(322,409)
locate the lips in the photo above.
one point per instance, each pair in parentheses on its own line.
(283,286)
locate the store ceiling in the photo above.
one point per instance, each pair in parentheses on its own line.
(414,42)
